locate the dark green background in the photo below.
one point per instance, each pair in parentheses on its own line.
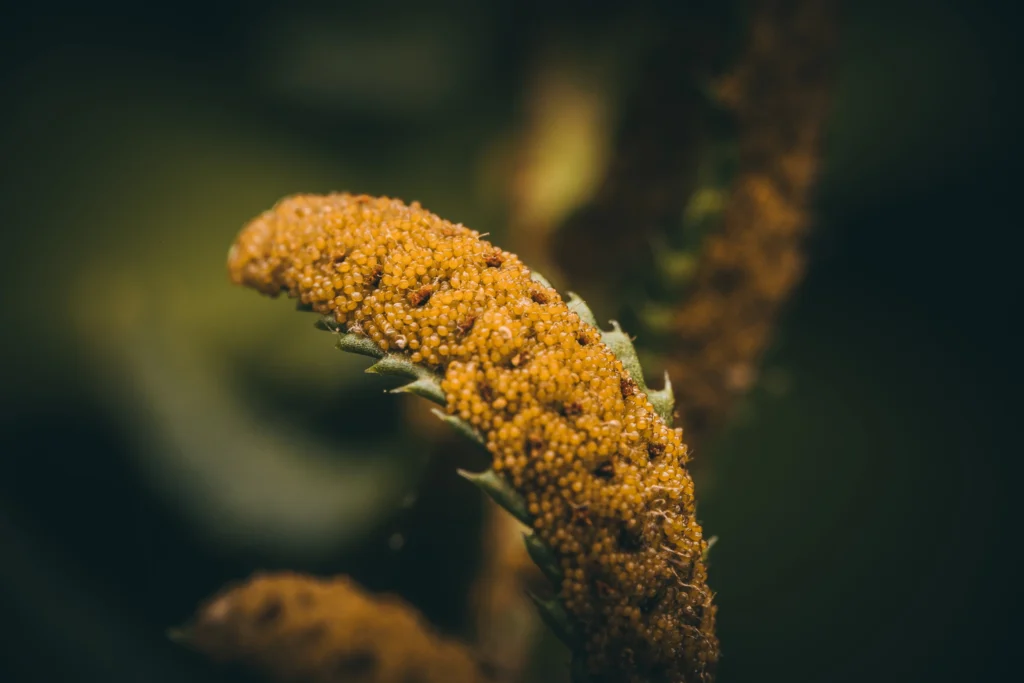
(866,515)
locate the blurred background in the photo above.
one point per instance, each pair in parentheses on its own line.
(162,432)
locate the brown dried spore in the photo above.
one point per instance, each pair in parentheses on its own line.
(778,93)
(635,581)
(294,628)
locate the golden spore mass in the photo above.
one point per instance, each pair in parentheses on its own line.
(293,628)
(603,477)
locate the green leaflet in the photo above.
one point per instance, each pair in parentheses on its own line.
(621,344)
(500,492)
(460,425)
(556,618)
(425,383)
(543,558)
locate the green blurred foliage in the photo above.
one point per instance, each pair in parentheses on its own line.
(192,366)
(163,432)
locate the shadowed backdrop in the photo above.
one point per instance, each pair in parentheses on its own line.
(162,432)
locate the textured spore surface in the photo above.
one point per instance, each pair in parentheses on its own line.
(602,475)
(295,628)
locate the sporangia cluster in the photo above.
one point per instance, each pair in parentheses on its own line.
(303,629)
(603,477)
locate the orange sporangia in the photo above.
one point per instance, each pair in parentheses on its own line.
(778,94)
(634,578)
(294,628)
